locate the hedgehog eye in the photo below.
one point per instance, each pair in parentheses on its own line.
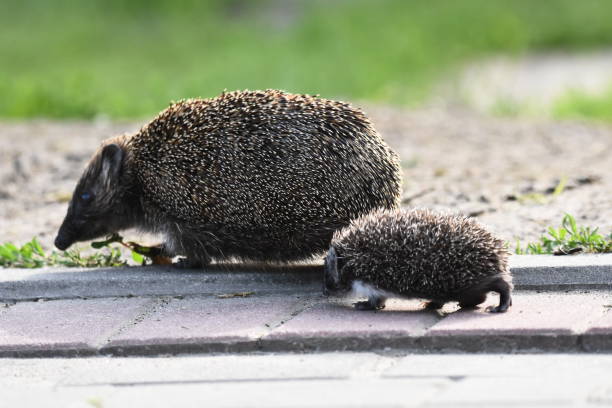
(86,196)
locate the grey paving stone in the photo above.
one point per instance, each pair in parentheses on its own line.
(601,395)
(65,283)
(330,379)
(538,391)
(531,312)
(338,326)
(592,271)
(206,324)
(599,336)
(126,371)
(535,321)
(72,327)
(287,393)
(603,325)
(460,366)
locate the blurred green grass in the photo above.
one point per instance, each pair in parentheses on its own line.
(577,105)
(126,59)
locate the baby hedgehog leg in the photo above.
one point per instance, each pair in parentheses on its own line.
(471,298)
(478,294)
(374,302)
(376,298)
(434,304)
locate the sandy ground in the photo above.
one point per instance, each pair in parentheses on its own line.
(501,171)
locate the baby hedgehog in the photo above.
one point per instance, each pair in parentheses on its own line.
(260,175)
(418,254)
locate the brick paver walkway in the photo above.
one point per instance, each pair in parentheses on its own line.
(143,311)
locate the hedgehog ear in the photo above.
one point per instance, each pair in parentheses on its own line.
(112,157)
(332,277)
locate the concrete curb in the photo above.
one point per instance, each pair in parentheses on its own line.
(70,283)
(503,343)
(537,272)
(542,272)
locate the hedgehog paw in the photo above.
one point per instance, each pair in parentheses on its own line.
(365,305)
(376,303)
(188,263)
(497,309)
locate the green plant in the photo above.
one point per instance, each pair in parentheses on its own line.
(584,106)
(543,197)
(140,254)
(567,239)
(32,255)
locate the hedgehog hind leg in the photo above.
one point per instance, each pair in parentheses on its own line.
(374,302)
(434,304)
(502,287)
(472,298)
(191,259)
(193,253)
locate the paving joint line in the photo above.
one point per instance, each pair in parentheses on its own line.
(5,307)
(300,307)
(204,381)
(148,309)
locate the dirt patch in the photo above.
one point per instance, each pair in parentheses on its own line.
(502,171)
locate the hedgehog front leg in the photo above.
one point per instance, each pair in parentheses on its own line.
(192,256)
(374,302)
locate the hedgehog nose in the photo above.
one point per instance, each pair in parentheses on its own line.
(62,243)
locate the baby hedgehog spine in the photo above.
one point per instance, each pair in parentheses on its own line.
(260,175)
(418,254)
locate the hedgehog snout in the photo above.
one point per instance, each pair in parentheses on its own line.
(62,242)
(65,236)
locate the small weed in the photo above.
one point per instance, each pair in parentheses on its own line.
(140,253)
(567,239)
(584,106)
(507,108)
(32,255)
(545,196)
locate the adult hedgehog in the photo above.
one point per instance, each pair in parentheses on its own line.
(260,175)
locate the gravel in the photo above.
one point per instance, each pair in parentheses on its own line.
(502,171)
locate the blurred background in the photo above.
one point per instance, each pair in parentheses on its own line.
(128,59)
